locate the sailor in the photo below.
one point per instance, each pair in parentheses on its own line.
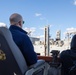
(21,39)
(68,57)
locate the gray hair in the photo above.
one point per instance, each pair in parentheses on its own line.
(14,18)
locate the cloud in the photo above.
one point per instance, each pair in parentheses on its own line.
(74,2)
(40,36)
(42,28)
(30,30)
(2,24)
(38,14)
(70,30)
(42,18)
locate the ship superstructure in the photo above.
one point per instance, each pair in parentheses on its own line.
(45,46)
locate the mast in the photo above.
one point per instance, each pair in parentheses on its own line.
(46,46)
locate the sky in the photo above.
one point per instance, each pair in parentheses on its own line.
(58,14)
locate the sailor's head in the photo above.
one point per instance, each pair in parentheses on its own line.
(73,42)
(16,19)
